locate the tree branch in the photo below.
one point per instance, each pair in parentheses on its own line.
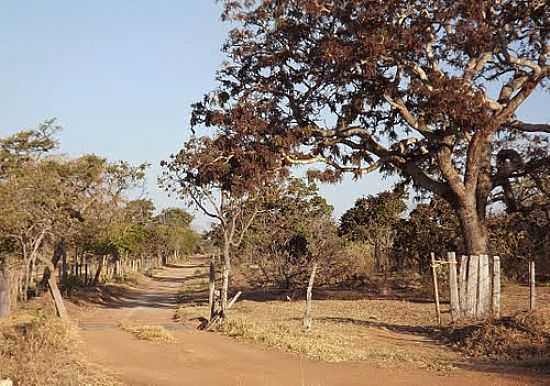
(531,127)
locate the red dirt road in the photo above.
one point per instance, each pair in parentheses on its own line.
(202,358)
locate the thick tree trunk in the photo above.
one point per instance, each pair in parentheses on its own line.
(475,237)
(474,231)
(5,302)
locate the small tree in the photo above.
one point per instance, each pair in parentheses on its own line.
(293,230)
(225,182)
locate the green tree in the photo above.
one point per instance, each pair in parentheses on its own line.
(433,221)
(293,230)
(48,202)
(374,219)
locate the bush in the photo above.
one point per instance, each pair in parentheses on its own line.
(525,335)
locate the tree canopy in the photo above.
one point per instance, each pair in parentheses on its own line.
(425,90)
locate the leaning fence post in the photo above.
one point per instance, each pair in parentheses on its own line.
(453,287)
(496,287)
(436,289)
(307,315)
(211,289)
(532,286)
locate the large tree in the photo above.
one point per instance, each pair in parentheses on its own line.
(427,90)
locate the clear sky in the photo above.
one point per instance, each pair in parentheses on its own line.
(120,77)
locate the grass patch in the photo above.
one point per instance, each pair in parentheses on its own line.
(157,334)
(134,278)
(38,349)
(349,325)
(342,331)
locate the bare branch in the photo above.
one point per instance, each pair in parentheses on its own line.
(204,209)
(531,127)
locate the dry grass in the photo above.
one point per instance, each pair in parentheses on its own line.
(156,334)
(523,336)
(134,279)
(38,349)
(382,331)
(370,330)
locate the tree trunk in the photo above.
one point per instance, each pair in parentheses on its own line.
(474,231)
(25,281)
(99,269)
(377,262)
(5,303)
(212,290)
(59,252)
(225,277)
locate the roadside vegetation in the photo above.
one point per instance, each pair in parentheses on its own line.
(428,94)
(37,348)
(68,225)
(394,330)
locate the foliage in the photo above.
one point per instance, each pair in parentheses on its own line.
(50,203)
(430,227)
(227,179)
(426,91)
(293,229)
(374,219)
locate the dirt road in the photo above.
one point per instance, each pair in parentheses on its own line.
(202,358)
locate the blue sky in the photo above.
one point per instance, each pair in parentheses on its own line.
(120,77)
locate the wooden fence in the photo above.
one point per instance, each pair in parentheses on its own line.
(474,286)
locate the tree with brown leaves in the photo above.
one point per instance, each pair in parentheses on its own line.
(427,90)
(227,182)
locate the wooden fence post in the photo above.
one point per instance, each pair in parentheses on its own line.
(453,287)
(496,287)
(532,286)
(471,287)
(436,289)
(462,285)
(5,292)
(307,314)
(211,290)
(484,287)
